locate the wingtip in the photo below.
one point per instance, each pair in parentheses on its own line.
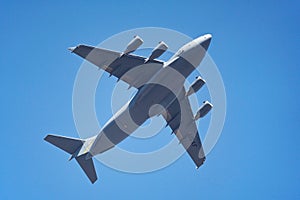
(71,49)
(46,137)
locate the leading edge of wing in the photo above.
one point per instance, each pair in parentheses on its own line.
(98,56)
(120,65)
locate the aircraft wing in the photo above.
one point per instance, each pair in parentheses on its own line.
(120,65)
(182,123)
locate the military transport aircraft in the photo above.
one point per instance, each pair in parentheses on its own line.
(161,91)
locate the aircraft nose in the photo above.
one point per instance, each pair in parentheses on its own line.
(206,41)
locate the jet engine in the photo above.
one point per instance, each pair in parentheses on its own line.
(158,51)
(196,86)
(135,43)
(203,110)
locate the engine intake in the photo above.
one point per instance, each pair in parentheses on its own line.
(203,110)
(196,86)
(135,43)
(158,51)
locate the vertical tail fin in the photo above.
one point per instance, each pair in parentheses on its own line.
(73,146)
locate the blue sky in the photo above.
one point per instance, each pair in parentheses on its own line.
(256,47)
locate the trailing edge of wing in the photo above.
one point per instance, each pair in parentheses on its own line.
(181,120)
(130,68)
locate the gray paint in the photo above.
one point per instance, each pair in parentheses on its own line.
(161,85)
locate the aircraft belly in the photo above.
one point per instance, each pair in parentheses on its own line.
(119,127)
(152,99)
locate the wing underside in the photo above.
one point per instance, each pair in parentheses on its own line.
(179,117)
(132,69)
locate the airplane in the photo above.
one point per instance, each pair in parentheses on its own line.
(160,88)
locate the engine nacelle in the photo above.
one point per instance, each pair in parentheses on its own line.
(158,51)
(135,43)
(203,110)
(196,86)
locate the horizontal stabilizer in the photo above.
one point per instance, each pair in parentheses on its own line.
(88,167)
(69,145)
(73,146)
